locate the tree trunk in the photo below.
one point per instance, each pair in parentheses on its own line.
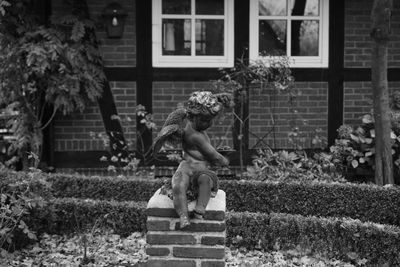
(380,15)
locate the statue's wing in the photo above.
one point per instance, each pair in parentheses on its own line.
(172,130)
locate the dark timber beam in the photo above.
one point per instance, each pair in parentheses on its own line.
(106,101)
(144,70)
(241,41)
(122,74)
(336,64)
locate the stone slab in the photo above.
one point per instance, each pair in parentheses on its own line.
(162,206)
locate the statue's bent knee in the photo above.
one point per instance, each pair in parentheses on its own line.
(205,179)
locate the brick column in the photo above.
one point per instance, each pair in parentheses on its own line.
(202,244)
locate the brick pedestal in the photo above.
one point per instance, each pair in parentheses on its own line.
(202,244)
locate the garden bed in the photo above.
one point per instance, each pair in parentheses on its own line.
(330,237)
(108,249)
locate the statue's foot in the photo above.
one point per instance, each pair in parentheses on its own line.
(197,215)
(184,222)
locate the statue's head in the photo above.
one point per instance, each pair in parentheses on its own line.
(203,103)
(202,107)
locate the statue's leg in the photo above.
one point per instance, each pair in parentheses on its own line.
(205,184)
(180,184)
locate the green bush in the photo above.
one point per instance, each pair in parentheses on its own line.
(106,188)
(284,166)
(19,194)
(331,237)
(357,201)
(67,215)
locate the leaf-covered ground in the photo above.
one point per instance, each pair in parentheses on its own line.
(107,249)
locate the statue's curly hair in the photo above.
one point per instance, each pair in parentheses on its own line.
(207,104)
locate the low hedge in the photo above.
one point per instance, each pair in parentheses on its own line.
(357,201)
(333,237)
(106,188)
(67,215)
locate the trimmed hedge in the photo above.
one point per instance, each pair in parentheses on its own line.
(357,201)
(68,215)
(330,237)
(106,188)
(333,237)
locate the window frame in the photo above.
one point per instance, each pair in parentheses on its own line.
(181,61)
(320,61)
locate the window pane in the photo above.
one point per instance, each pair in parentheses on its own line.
(176,36)
(272,7)
(210,7)
(272,37)
(176,6)
(305,7)
(305,37)
(210,37)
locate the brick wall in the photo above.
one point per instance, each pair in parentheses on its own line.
(72,132)
(311,111)
(311,107)
(199,244)
(115,52)
(358,100)
(166,97)
(357,29)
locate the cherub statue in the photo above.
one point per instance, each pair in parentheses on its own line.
(188,126)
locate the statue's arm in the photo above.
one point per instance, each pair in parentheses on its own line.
(209,152)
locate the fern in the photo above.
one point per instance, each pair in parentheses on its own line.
(64,20)
(78,31)
(3,5)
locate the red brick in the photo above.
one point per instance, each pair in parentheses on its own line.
(171,263)
(213,240)
(160,239)
(153,225)
(203,227)
(157,251)
(199,252)
(213,263)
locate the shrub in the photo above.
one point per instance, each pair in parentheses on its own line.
(358,201)
(106,188)
(67,215)
(294,165)
(355,146)
(363,202)
(19,194)
(331,237)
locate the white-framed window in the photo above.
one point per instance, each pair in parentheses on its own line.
(193,33)
(295,28)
